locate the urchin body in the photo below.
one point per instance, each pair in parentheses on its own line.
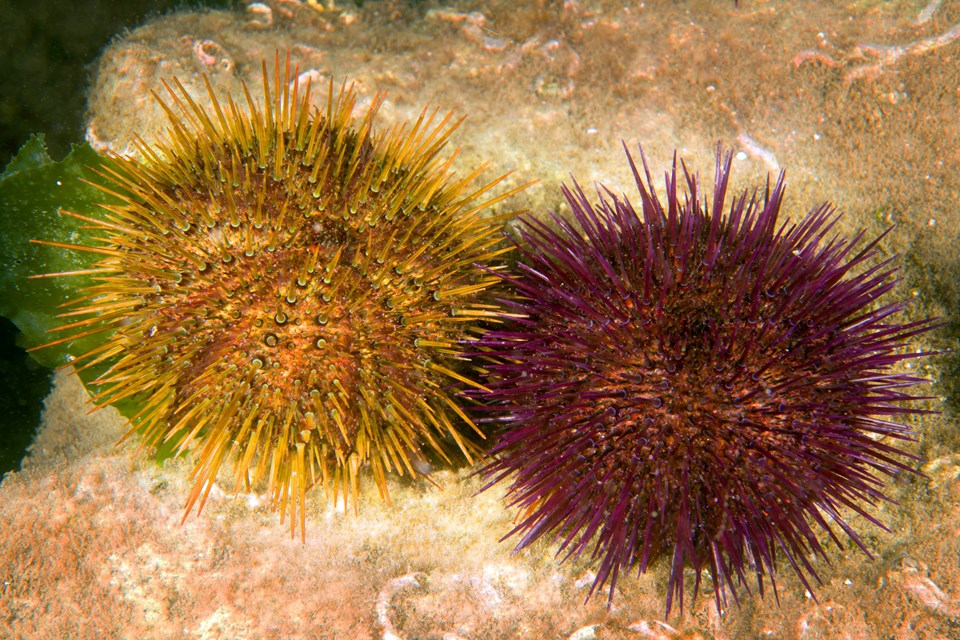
(696,383)
(287,288)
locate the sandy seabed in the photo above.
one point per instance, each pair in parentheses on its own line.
(858,101)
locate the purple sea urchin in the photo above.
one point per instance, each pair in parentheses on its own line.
(287,288)
(708,387)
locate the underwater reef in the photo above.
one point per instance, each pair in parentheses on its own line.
(468,362)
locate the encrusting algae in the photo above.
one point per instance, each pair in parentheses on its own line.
(289,289)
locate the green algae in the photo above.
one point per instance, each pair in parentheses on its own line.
(34,190)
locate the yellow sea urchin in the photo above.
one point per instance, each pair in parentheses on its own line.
(288,288)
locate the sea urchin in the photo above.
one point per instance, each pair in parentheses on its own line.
(707,387)
(287,288)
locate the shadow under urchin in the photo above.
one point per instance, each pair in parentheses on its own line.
(695,382)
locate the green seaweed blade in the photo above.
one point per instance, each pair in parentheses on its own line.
(33,190)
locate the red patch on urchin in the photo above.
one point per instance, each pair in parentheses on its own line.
(713,388)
